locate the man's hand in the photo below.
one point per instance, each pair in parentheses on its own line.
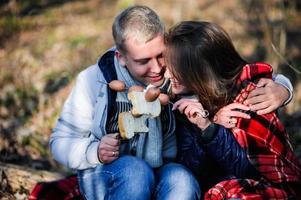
(108,149)
(267,97)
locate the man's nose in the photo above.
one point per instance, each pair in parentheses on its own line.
(156,67)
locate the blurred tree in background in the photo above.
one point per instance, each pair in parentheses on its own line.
(45,43)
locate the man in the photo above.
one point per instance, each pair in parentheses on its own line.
(86,135)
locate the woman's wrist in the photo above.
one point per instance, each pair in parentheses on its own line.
(203,126)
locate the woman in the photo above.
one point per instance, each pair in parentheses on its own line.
(255,159)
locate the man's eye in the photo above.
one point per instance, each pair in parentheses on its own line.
(143,62)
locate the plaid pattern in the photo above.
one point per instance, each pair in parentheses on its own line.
(268,148)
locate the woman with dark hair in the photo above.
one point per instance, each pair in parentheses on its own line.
(252,160)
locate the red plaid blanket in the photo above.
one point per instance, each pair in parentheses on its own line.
(64,189)
(268,148)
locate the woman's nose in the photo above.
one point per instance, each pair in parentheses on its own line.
(167,74)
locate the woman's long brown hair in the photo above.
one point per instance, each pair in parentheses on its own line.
(202,57)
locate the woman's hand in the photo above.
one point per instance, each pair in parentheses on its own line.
(227,116)
(194,112)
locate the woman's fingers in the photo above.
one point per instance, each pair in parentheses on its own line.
(227,116)
(191,111)
(191,108)
(239,114)
(183,101)
(182,107)
(237,106)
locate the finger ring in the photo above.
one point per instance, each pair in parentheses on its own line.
(203,113)
(231,121)
(113,153)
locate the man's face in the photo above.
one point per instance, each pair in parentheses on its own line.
(176,86)
(144,61)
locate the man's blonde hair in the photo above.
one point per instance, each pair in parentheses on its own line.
(139,22)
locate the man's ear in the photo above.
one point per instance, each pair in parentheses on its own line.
(120,58)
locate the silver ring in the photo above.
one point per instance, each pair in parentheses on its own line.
(231,121)
(113,153)
(203,113)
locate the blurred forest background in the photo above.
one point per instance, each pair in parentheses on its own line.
(45,43)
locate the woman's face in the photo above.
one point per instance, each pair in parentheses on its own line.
(176,86)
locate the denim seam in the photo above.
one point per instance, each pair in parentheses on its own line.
(94,172)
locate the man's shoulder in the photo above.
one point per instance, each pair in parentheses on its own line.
(97,70)
(90,72)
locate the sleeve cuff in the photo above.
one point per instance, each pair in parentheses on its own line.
(285,82)
(209,133)
(92,153)
(290,97)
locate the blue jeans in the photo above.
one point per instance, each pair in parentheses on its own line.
(132,178)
